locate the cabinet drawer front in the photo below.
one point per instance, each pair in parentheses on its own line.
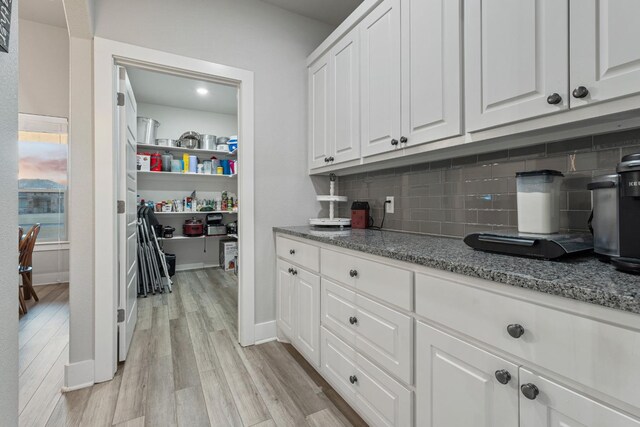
(338,306)
(452,375)
(303,254)
(599,355)
(307,307)
(385,336)
(390,284)
(557,406)
(380,398)
(338,363)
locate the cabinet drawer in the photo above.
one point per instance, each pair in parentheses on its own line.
(338,307)
(599,355)
(390,284)
(377,397)
(303,254)
(379,332)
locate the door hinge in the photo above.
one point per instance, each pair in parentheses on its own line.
(120,99)
(121,206)
(120,315)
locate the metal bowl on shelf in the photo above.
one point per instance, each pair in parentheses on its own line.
(167,142)
(190,140)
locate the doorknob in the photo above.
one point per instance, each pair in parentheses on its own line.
(580,92)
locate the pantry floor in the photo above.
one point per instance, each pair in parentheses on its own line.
(185,368)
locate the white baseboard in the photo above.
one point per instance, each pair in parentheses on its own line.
(78,375)
(265,332)
(50,278)
(195,266)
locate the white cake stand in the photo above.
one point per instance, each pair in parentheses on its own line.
(332,199)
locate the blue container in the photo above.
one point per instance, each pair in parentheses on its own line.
(226,169)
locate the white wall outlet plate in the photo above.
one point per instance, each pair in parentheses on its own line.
(390,207)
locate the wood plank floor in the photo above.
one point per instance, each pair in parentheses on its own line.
(185,368)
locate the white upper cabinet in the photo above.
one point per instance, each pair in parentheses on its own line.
(345,99)
(516,60)
(381,82)
(605,50)
(544,403)
(431,81)
(319,145)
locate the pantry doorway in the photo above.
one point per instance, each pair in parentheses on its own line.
(109,58)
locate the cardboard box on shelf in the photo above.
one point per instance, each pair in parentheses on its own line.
(228,254)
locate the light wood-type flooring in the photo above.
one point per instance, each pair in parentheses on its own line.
(184,368)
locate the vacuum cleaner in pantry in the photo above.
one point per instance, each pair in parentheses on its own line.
(152,263)
(332,199)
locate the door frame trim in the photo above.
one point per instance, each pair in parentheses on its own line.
(108,53)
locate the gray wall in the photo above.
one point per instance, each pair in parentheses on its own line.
(8,229)
(272,43)
(478,193)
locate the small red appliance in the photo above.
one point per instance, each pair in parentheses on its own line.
(360,215)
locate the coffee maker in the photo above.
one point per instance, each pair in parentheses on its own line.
(629,214)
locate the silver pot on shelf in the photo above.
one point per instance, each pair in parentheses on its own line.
(208,142)
(190,140)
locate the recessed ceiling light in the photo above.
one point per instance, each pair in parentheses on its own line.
(202,91)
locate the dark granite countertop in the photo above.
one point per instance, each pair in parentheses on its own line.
(581,278)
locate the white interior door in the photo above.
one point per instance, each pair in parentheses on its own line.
(516,60)
(127,217)
(605,54)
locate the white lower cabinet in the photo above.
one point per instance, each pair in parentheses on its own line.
(551,405)
(458,384)
(298,309)
(377,397)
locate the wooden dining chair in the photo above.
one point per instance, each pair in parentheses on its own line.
(25,267)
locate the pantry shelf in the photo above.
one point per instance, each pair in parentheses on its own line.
(180,237)
(178,175)
(195,213)
(142,147)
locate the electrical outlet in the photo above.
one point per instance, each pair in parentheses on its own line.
(390,205)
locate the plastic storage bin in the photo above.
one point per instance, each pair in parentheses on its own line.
(604,193)
(539,201)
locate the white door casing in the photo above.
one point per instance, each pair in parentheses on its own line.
(456,383)
(381,79)
(127,219)
(431,70)
(605,53)
(516,56)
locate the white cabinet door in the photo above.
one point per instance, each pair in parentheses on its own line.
(339,310)
(285,294)
(457,383)
(516,57)
(381,79)
(431,68)
(319,92)
(344,104)
(338,364)
(557,406)
(307,314)
(385,336)
(605,53)
(381,400)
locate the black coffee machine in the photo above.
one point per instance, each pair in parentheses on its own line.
(629,214)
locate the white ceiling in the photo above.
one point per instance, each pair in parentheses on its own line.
(50,12)
(163,89)
(331,12)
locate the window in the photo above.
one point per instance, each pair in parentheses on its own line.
(43,175)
